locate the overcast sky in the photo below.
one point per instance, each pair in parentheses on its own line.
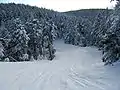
(65,5)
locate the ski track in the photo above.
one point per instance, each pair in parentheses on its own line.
(74,68)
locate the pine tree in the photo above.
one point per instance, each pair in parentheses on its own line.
(111,40)
(1,51)
(111,51)
(96,28)
(54,29)
(4,33)
(18,45)
(35,42)
(75,34)
(49,51)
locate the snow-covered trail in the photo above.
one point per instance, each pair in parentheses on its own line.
(74,68)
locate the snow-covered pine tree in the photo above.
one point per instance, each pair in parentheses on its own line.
(69,39)
(35,42)
(54,29)
(74,33)
(49,51)
(99,28)
(80,34)
(1,52)
(18,46)
(111,40)
(96,28)
(111,50)
(3,47)
(68,32)
(4,33)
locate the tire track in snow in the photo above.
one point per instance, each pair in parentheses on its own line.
(19,74)
(38,78)
(85,81)
(44,80)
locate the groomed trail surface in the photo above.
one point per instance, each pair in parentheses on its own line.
(74,68)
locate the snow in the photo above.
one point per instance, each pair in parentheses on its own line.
(74,68)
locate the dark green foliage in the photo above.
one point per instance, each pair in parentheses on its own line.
(29,32)
(111,50)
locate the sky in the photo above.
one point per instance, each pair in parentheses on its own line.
(65,5)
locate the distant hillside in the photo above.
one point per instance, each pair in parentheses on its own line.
(86,13)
